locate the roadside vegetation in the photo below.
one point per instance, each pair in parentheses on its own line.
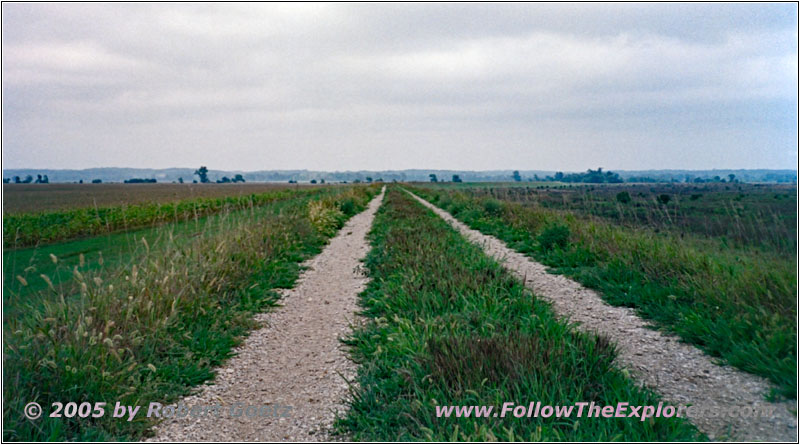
(737,301)
(156,322)
(449,326)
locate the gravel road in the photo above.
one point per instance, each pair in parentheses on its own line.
(678,371)
(289,379)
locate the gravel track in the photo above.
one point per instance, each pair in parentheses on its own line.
(296,360)
(681,373)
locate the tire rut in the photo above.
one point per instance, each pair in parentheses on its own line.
(296,360)
(681,373)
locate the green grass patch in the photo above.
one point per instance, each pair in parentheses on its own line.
(449,326)
(739,304)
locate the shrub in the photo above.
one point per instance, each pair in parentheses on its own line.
(624,197)
(493,207)
(663,199)
(555,235)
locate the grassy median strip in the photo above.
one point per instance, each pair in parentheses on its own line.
(736,303)
(449,326)
(151,328)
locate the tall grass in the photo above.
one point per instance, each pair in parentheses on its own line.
(449,326)
(736,303)
(151,329)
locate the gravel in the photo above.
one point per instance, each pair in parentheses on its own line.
(681,373)
(296,360)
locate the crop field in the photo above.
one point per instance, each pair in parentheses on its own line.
(715,265)
(33,198)
(154,293)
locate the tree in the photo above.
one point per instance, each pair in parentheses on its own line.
(624,197)
(224,180)
(97,181)
(28,179)
(238,178)
(433,177)
(368,180)
(180,180)
(663,199)
(38,179)
(313,181)
(202,172)
(456,178)
(516,176)
(731,177)
(17,180)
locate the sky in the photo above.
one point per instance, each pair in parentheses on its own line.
(540,86)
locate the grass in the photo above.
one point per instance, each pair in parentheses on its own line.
(150,328)
(449,326)
(738,214)
(737,303)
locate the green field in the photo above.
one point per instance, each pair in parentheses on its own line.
(146,315)
(732,295)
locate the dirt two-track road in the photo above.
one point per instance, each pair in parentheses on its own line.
(297,365)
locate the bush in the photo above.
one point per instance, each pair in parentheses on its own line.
(493,207)
(624,197)
(555,235)
(663,199)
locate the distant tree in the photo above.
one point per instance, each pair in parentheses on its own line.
(202,172)
(194,181)
(137,181)
(224,180)
(238,178)
(356,181)
(322,181)
(45,180)
(17,180)
(28,179)
(97,181)
(368,180)
(664,199)
(81,181)
(180,180)
(292,181)
(516,176)
(313,181)
(456,178)
(559,176)
(6,180)
(38,179)
(433,177)
(731,177)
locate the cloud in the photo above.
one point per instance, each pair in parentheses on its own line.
(364,86)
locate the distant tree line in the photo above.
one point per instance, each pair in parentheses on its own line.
(28,179)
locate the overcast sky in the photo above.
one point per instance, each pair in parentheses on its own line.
(394,86)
